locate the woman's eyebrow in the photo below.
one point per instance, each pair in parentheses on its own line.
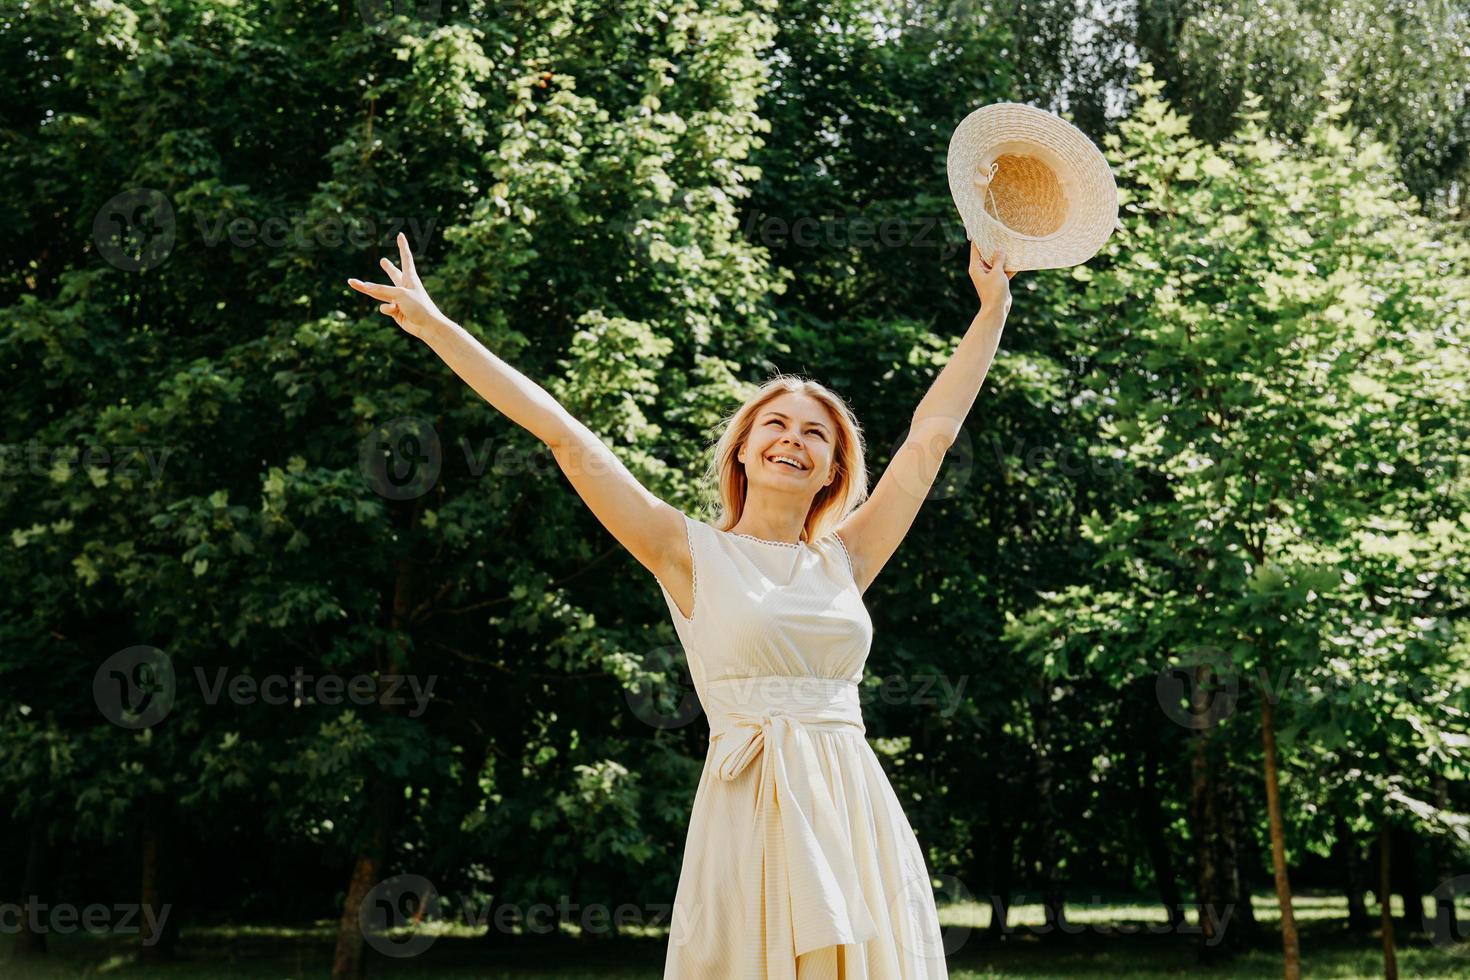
(788,418)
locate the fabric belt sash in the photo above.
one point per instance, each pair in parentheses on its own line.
(811,884)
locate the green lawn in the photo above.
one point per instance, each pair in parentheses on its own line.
(260,953)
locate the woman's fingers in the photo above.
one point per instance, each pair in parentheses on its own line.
(387,294)
(392,270)
(388,308)
(406,257)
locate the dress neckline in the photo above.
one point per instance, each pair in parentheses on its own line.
(752,537)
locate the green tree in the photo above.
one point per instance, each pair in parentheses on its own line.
(1274,352)
(542,158)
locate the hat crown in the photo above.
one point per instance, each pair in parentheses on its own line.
(1029,181)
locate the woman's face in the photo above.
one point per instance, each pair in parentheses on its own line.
(794,426)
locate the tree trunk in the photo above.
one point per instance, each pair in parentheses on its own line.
(1233,835)
(1445,924)
(384,796)
(35,888)
(1385,906)
(367,871)
(1151,824)
(1406,878)
(159,946)
(1002,873)
(1205,819)
(1356,882)
(1289,945)
(1052,902)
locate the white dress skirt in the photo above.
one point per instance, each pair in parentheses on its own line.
(799,862)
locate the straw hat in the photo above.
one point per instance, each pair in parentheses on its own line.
(1029,181)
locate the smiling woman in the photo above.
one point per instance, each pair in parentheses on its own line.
(806,442)
(799,860)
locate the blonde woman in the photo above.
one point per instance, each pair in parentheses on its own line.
(799,862)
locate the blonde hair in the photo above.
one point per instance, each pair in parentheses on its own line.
(849,486)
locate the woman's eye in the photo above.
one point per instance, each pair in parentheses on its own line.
(815,432)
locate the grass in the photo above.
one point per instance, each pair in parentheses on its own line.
(1101,948)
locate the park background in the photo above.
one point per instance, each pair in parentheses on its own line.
(1183,622)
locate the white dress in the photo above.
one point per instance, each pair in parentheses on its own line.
(799,863)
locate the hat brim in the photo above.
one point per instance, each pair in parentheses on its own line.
(1087,185)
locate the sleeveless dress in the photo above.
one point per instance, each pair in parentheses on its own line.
(799,863)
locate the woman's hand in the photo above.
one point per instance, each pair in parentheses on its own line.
(993,287)
(405,301)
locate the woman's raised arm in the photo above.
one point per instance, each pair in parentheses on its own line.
(651,529)
(873,532)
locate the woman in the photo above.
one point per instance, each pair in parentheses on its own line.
(799,861)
